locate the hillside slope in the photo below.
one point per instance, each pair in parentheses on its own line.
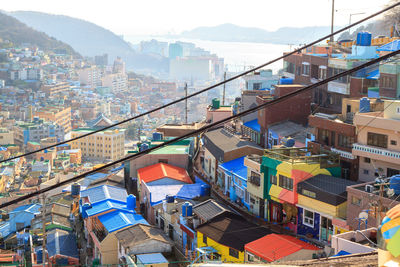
(17,32)
(89,39)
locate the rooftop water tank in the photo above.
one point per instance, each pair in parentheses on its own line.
(364,39)
(215,103)
(285,81)
(395,184)
(143,147)
(189,209)
(204,190)
(75,189)
(288,141)
(169,199)
(184,209)
(365,105)
(131,202)
(157,136)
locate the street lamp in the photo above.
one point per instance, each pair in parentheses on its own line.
(353,14)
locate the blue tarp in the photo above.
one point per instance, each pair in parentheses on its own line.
(117,220)
(373,75)
(236,167)
(390,47)
(253,125)
(341,253)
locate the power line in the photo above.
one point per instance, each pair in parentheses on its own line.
(208,88)
(196,132)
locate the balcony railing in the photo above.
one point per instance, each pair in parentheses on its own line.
(376,150)
(343,154)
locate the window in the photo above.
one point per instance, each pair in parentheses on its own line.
(163,161)
(257,86)
(306,68)
(367,160)
(356,201)
(308,218)
(246,196)
(345,141)
(379,140)
(233,253)
(204,239)
(322,72)
(286,182)
(365,171)
(273,179)
(255,178)
(324,136)
(398,110)
(308,193)
(393,142)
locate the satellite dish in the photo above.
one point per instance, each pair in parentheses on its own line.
(390,192)
(363,215)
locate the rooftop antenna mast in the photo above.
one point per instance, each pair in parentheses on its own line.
(223,94)
(186,103)
(333,14)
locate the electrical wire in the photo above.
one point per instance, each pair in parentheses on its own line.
(208,88)
(196,132)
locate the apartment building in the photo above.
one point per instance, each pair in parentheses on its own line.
(90,76)
(116,81)
(55,88)
(378,142)
(104,145)
(6,136)
(58,115)
(36,130)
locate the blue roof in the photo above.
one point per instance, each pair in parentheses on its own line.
(186,191)
(61,242)
(236,167)
(392,46)
(104,192)
(253,125)
(152,258)
(5,229)
(104,206)
(32,208)
(373,75)
(117,220)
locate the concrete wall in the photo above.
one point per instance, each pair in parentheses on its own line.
(342,242)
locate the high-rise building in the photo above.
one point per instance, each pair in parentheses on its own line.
(119,66)
(90,76)
(101,60)
(58,115)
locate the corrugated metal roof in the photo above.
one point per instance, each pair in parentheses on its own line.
(117,220)
(60,242)
(100,193)
(152,258)
(390,47)
(104,206)
(253,125)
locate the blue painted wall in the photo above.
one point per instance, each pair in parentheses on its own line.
(305,229)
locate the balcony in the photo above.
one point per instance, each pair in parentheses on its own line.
(343,154)
(376,153)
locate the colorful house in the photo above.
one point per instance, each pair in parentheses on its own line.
(106,210)
(275,247)
(163,174)
(283,169)
(228,234)
(255,185)
(322,205)
(232,178)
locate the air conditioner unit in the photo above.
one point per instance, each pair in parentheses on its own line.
(369,188)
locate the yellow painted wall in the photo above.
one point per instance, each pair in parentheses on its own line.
(322,207)
(108,249)
(222,249)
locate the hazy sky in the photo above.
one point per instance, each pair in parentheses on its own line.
(173,16)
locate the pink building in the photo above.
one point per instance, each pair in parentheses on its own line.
(378,142)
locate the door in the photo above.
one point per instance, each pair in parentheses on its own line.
(326,229)
(262,206)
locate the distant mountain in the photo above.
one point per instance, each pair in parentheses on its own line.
(376,28)
(17,32)
(89,39)
(233,33)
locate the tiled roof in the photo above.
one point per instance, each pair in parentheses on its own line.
(140,233)
(274,247)
(117,220)
(232,230)
(162,170)
(104,192)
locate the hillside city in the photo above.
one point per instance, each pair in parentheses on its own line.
(304,181)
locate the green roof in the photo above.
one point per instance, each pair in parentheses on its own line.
(173,149)
(34,143)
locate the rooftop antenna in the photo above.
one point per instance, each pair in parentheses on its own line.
(186,103)
(223,94)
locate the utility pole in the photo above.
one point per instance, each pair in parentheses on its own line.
(44,230)
(333,14)
(223,94)
(380,203)
(186,104)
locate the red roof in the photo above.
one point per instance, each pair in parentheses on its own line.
(274,247)
(162,170)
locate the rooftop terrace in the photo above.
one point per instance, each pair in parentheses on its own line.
(302,155)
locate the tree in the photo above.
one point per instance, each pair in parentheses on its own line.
(392,16)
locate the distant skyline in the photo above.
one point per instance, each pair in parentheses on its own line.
(158,17)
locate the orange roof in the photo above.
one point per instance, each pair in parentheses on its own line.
(162,170)
(274,247)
